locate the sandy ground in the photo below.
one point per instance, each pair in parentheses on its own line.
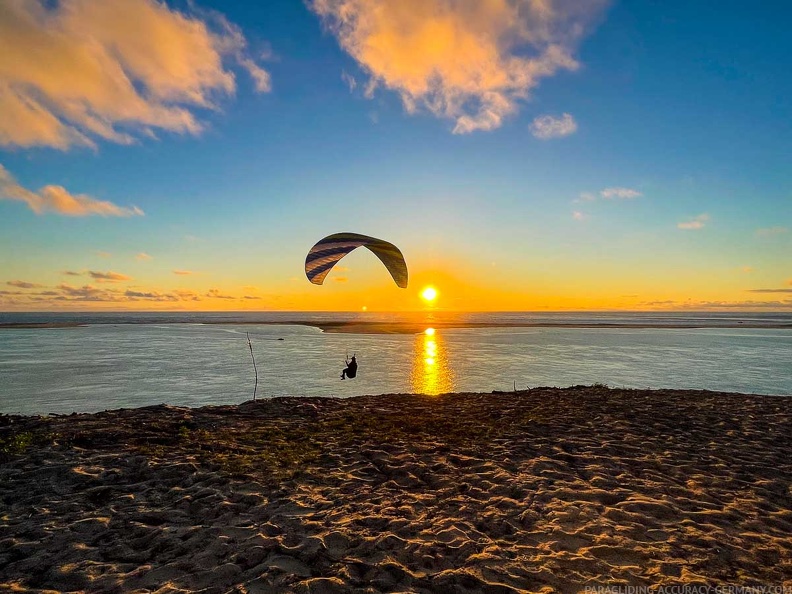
(542,490)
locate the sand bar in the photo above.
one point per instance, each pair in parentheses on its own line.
(415,327)
(543,490)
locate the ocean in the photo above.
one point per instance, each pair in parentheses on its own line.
(122,360)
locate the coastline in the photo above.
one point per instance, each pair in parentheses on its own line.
(357,327)
(512,491)
(417,328)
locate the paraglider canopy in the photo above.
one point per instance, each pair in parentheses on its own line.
(328,251)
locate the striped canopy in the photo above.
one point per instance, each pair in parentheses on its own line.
(328,251)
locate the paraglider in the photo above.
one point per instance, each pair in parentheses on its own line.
(328,251)
(351,368)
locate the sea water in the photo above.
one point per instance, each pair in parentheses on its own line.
(128,360)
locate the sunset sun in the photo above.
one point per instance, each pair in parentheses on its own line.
(429,294)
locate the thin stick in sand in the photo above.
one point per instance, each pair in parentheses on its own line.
(255,370)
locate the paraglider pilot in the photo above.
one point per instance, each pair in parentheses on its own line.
(351,368)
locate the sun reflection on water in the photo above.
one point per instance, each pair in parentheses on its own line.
(431,373)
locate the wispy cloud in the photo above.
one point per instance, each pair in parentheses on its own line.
(710,305)
(770,231)
(771,305)
(216,294)
(75,71)
(623,193)
(695,223)
(746,269)
(56,199)
(110,277)
(86,293)
(65,293)
(578,215)
(150,295)
(186,295)
(349,80)
(71,273)
(183,272)
(770,290)
(465,60)
(608,194)
(23,284)
(547,126)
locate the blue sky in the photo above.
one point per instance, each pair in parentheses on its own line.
(681,109)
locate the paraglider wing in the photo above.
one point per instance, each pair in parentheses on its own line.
(328,251)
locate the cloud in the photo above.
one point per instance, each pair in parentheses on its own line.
(65,293)
(75,71)
(787,303)
(186,295)
(585,197)
(696,223)
(770,231)
(71,273)
(746,269)
(340,279)
(87,293)
(349,80)
(183,272)
(624,193)
(111,277)
(23,285)
(143,256)
(56,199)
(215,294)
(465,60)
(579,216)
(705,305)
(547,126)
(252,297)
(770,290)
(149,296)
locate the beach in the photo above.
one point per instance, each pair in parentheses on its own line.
(539,490)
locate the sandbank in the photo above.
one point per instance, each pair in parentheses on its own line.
(418,326)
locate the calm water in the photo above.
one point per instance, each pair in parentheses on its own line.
(119,362)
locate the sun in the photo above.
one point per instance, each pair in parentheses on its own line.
(429,294)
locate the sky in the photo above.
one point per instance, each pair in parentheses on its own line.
(522,154)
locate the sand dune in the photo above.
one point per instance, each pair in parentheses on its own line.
(543,490)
